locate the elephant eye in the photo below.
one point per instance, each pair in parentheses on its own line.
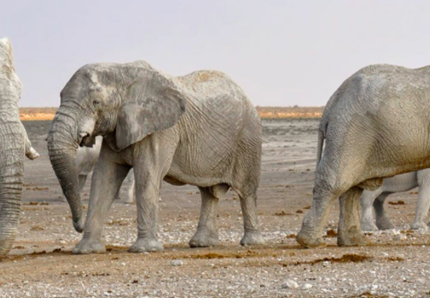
(96,102)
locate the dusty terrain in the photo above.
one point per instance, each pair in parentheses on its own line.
(41,264)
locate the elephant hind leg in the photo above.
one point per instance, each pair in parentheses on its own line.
(248,202)
(207,233)
(383,221)
(349,229)
(246,178)
(327,189)
(311,232)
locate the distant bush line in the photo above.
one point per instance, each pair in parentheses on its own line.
(265,112)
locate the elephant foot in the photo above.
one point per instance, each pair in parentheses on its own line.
(308,240)
(384,223)
(89,246)
(204,238)
(419,225)
(368,226)
(252,238)
(146,245)
(353,237)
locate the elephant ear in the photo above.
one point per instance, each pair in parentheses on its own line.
(152,103)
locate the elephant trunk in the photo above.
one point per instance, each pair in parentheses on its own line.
(11,179)
(62,148)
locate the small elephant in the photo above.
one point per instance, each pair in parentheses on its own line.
(375,200)
(198,129)
(14,146)
(376,125)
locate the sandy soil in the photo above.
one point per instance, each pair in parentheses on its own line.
(41,263)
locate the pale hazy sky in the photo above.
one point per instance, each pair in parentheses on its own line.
(281,52)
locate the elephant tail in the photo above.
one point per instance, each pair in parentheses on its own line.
(321,137)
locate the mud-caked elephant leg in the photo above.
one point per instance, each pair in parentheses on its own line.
(107,179)
(207,232)
(349,229)
(423,202)
(383,221)
(367,216)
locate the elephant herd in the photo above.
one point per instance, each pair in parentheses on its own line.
(201,129)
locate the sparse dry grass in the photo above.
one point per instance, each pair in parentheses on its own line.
(30,114)
(289,112)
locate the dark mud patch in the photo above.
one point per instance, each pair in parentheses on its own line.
(346,258)
(370,295)
(399,202)
(282,213)
(331,234)
(225,255)
(114,248)
(57,251)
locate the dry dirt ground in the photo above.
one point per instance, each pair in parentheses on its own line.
(42,265)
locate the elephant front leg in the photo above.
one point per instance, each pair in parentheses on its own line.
(147,195)
(207,233)
(107,179)
(349,230)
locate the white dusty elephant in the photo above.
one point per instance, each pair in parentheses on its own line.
(198,129)
(376,125)
(374,200)
(14,146)
(86,158)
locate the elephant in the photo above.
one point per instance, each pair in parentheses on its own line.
(374,126)
(375,200)
(86,158)
(14,145)
(198,129)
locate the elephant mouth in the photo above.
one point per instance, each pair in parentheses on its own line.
(86,140)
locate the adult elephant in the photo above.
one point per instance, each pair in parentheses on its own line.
(376,125)
(374,200)
(199,129)
(14,145)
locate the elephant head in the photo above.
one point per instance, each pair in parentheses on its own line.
(11,148)
(122,102)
